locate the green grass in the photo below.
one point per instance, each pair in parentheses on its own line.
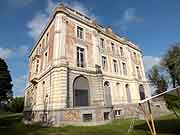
(11,124)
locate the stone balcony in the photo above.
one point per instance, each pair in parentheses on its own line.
(34,78)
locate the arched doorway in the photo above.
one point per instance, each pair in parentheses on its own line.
(81,91)
(107,91)
(128,93)
(141,92)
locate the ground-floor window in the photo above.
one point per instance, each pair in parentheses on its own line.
(81,91)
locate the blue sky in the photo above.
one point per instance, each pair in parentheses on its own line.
(153,25)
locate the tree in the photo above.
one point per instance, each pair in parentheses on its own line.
(5,83)
(171,61)
(157,79)
(17,105)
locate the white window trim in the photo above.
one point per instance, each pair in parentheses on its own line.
(106,63)
(83,32)
(85,56)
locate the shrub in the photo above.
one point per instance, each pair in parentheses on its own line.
(17,105)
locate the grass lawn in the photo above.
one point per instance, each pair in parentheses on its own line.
(11,124)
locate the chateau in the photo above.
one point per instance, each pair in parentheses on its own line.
(82,73)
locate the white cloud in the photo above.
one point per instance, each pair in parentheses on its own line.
(23,50)
(129,17)
(50,6)
(150,61)
(82,9)
(5,53)
(38,22)
(19,84)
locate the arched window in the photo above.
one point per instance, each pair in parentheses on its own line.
(107,92)
(128,93)
(141,92)
(81,91)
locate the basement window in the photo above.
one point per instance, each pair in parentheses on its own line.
(117,112)
(87,117)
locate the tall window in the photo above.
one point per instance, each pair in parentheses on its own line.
(45,59)
(104,63)
(115,65)
(138,72)
(121,51)
(80,32)
(112,46)
(102,43)
(124,69)
(80,57)
(135,56)
(47,38)
(37,66)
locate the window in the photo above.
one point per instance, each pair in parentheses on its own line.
(121,51)
(80,57)
(47,39)
(135,56)
(112,46)
(104,63)
(138,72)
(45,59)
(37,66)
(115,66)
(80,32)
(106,115)
(102,43)
(87,117)
(124,69)
(117,112)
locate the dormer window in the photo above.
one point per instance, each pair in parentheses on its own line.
(79,32)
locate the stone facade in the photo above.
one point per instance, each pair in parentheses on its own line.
(82,73)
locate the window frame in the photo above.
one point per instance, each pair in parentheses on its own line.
(102,43)
(115,65)
(80,33)
(121,50)
(125,72)
(80,51)
(104,65)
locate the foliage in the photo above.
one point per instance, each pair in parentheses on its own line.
(17,105)
(157,79)
(171,61)
(5,82)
